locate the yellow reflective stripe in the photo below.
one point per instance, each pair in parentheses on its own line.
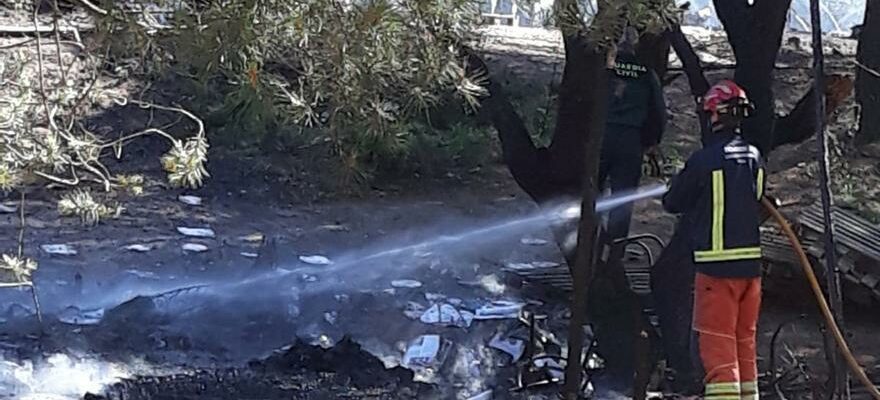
(725,387)
(717,210)
(722,391)
(744,253)
(760,183)
(738,250)
(750,391)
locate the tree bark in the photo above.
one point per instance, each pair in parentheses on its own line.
(689,60)
(582,270)
(755,33)
(570,165)
(567,164)
(693,70)
(653,52)
(868,76)
(577,141)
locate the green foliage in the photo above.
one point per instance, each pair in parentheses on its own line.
(603,24)
(467,144)
(459,146)
(358,69)
(652,16)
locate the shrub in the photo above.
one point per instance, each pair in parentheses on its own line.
(361,70)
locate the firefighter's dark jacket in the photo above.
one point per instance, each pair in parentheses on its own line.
(636,99)
(719,192)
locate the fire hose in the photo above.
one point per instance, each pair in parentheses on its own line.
(820,299)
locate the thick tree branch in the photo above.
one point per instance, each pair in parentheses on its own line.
(693,70)
(526,162)
(800,124)
(653,52)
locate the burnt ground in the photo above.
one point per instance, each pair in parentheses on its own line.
(203,328)
(179,324)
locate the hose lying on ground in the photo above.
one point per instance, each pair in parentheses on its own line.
(820,298)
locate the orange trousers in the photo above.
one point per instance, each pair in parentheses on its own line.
(726,321)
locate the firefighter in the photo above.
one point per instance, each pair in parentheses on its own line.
(635,123)
(719,192)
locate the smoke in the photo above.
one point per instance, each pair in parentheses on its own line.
(381,260)
(402,256)
(58,377)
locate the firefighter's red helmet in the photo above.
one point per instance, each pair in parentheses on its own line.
(726,97)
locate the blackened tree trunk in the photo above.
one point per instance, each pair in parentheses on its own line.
(575,153)
(579,81)
(868,75)
(582,270)
(653,52)
(692,69)
(755,33)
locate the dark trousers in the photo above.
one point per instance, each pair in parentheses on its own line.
(620,169)
(672,278)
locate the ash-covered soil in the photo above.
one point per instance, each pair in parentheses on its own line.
(300,371)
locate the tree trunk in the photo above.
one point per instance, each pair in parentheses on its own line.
(755,33)
(593,98)
(574,114)
(653,52)
(868,76)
